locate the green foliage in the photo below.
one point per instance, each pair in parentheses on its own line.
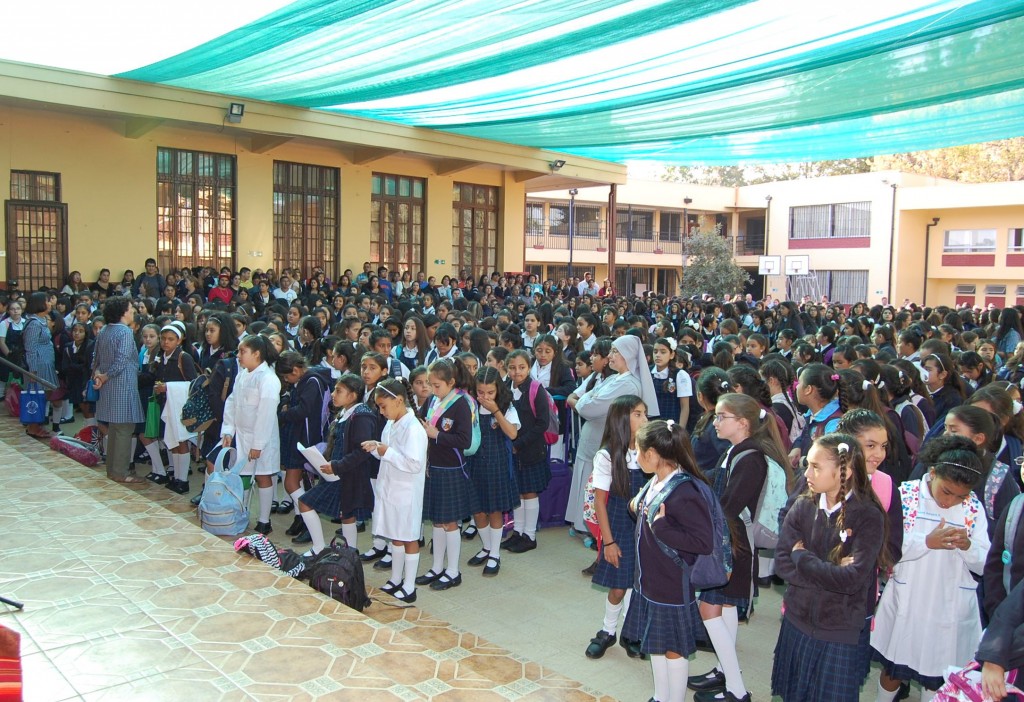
(734,176)
(710,267)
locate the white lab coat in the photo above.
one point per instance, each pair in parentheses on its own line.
(928,615)
(398,504)
(250,415)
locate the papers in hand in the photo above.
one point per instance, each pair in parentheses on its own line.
(316,460)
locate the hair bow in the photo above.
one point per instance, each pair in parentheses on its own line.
(835,376)
(762,414)
(843,447)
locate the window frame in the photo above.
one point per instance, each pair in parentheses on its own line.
(387,253)
(971,247)
(328,237)
(830,224)
(481,205)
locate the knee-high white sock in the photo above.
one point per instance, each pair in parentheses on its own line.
(495,541)
(315,528)
(659,664)
(437,538)
(532,509)
(397,563)
(731,617)
(454,543)
(90,422)
(68,411)
(266,498)
(135,447)
(350,532)
(153,449)
(379,542)
(485,540)
(884,695)
(725,649)
(299,492)
(627,599)
(180,463)
(412,563)
(678,669)
(611,616)
(519,518)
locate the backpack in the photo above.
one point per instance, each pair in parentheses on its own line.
(474,444)
(84,453)
(912,441)
(197,414)
(1010,536)
(709,570)
(910,498)
(259,546)
(767,521)
(338,573)
(224,507)
(551,432)
(964,686)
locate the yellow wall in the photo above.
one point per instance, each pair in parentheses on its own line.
(109,184)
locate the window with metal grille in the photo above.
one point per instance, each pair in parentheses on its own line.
(588,220)
(306,229)
(843,287)
(995,290)
(474,229)
(835,221)
(969,241)
(634,223)
(627,278)
(670,226)
(397,205)
(36,225)
(195,209)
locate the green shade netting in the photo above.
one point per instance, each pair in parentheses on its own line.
(690,82)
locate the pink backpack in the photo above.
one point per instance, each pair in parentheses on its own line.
(551,433)
(881,483)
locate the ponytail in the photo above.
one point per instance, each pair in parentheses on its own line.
(670,441)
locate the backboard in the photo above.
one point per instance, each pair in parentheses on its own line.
(798,265)
(769,265)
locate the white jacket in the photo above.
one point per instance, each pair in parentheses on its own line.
(398,504)
(250,415)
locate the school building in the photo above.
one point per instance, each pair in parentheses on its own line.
(851,238)
(106,172)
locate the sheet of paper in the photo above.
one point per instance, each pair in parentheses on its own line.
(316,460)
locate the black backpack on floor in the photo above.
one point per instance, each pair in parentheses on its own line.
(338,573)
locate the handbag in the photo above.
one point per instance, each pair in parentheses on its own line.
(152,430)
(91,393)
(33,405)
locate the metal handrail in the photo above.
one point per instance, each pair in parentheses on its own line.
(28,374)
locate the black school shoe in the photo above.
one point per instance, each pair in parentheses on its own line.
(719,696)
(264,528)
(178,486)
(713,681)
(524,544)
(492,567)
(513,538)
(445,582)
(470,532)
(383,564)
(632,648)
(601,642)
(297,527)
(372,555)
(157,478)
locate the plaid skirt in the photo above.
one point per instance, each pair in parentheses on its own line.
(534,477)
(623,530)
(809,670)
(660,627)
(493,475)
(899,671)
(448,495)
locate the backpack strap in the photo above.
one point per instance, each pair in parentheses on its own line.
(534,389)
(1010,536)
(652,511)
(910,498)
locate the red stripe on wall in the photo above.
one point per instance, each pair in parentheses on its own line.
(854,242)
(1015,259)
(965,300)
(968,259)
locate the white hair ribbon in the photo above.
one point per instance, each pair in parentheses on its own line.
(843,447)
(866,384)
(725,384)
(670,423)
(762,414)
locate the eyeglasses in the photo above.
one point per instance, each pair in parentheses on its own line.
(719,417)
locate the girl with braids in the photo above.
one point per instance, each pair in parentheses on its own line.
(398,508)
(449,496)
(706,444)
(829,552)
(754,438)
(822,391)
(928,616)
(617,478)
(351,496)
(662,611)
(492,468)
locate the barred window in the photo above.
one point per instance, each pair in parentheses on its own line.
(969,241)
(397,205)
(306,228)
(836,221)
(474,228)
(37,229)
(195,209)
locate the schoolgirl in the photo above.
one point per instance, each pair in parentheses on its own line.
(531,321)
(250,420)
(586,326)
(469,360)
(673,387)
(302,417)
(779,377)
(928,617)
(945,386)
(449,496)
(1001,404)
(707,446)
(662,611)
(398,506)
(821,390)
(829,552)
(617,478)
(533,472)
(172,364)
(380,342)
(568,338)
(753,436)
(549,367)
(11,344)
(75,368)
(351,495)
(421,394)
(347,357)
(220,341)
(492,468)
(373,370)
(974,371)
(496,359)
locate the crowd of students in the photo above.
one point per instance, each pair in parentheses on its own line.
(899,434)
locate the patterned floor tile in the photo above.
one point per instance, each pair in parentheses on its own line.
(43,681)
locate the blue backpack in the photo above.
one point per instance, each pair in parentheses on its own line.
(224,507)
(709,570)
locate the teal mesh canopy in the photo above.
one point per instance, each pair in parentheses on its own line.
(698,82)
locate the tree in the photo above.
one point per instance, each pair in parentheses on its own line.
(989,162)
(709,266)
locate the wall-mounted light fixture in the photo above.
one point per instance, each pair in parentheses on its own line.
(236,111)
(556,165)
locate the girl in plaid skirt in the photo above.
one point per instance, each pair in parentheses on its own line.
(829,552)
